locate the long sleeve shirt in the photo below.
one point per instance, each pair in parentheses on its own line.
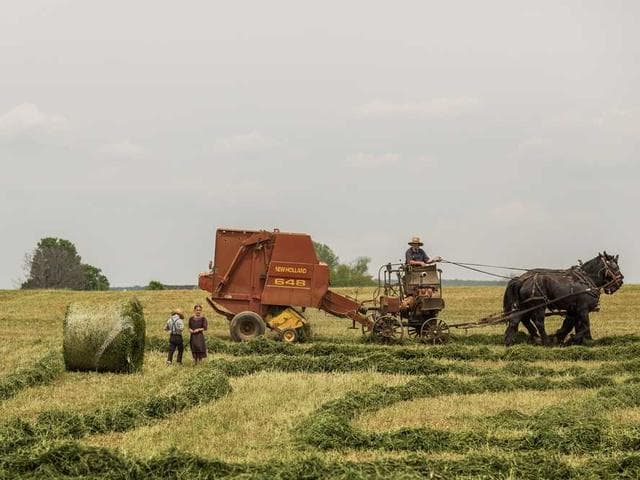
(418,255)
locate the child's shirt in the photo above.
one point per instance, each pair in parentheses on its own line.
(175,325)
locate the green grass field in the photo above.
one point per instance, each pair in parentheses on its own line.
(336,407)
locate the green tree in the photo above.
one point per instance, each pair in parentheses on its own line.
(326,255)
(94,278)
(353,274)
(155,285)
(55,263)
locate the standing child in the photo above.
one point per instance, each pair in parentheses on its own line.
(197,325)
(175,326)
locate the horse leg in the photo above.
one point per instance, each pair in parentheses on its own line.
(582,328)
(538,320)
(512,329)
(533,332)
(587,333)
(568,324)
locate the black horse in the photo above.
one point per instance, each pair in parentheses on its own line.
(574,293)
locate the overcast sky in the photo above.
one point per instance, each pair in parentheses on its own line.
(501,132)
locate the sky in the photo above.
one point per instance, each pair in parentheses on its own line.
(500,132)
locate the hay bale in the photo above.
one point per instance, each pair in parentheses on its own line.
(104,338)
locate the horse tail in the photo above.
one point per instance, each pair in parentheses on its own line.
(511,295)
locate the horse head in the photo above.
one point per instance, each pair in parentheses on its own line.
(610,273)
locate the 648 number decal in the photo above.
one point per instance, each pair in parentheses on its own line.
(289,282)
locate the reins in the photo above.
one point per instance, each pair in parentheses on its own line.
(470,266)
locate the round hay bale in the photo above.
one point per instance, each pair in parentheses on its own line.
(104,338)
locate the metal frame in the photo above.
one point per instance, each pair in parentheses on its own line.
(392,289)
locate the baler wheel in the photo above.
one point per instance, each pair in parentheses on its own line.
(246,326)
(289,335)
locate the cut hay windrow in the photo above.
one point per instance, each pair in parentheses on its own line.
(570,428)
(610,351)
(380,363)
(72,460)
(384,363)
(326,358)
(497,339)
(14,435)
(330,427)
(44,371)
(207,386)
(104,338)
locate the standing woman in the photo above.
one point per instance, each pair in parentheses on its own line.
(197,325)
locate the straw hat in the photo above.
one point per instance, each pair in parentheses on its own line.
(178,311)
(416,241)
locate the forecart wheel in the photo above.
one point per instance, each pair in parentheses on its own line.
(387,329)
(289,335)
(246,326)
(434,331)
(413,330)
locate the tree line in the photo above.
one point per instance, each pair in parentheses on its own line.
(55,263)
(354,274)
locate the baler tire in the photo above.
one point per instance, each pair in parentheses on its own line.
(246,326)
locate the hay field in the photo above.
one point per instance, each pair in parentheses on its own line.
(337,407)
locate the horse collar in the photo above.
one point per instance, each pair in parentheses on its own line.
(585,278)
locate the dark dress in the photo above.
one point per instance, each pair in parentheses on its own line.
(196,342)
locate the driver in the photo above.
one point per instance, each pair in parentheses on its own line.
(417,256)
